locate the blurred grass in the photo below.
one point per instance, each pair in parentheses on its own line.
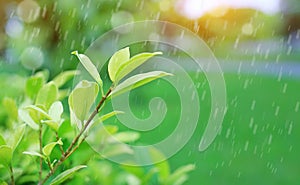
(257,145)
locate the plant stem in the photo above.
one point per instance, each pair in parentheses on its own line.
(60,147)
(11,175)
(41,151)
(71,148)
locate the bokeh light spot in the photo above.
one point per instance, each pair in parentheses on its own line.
(32,58)
(28,11)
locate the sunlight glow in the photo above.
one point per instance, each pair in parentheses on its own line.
(194,9)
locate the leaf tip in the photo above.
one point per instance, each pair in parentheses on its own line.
(74,52)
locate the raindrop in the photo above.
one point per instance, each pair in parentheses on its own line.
(14,27)
(253,105)
(28,11)
(246,146)
(32,58)
(277,110)
(290,129)
(270,139)
(297,106)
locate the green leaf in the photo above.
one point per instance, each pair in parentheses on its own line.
(56,111)
(81,99)
(11,108)
(62,93)
(49,147)
(119,58)
(35,83)
(179,176)
(89,66)
(2,140)
(133,63)
(47,95)
(3,182)
(36,154)
(17,137)
(65,175)
(127,136)
(64,77)
(24,115)
(136,81)
(38,111)
(52,124)
(5,155)
(103,118)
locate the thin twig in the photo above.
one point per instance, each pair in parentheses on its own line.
(41,151)
(60,147)
(49,164)
(12,179)
(70,150)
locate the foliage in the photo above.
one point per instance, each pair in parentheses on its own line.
(46,133)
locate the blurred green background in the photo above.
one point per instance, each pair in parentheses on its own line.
(259,52)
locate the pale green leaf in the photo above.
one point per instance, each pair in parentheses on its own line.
(81,99)
(52,124)
(66,175)
(5,155)
(56,111)
(38,111)
(47,95)
(24,116)
(17,136)
(63,93)
(36,154)
(49,147)
(136,81)
(2,140)
(180,175)
(11,108)
(35,83)
(133,63)
(127,136)
(119,58)
(64,77)
(89,66)
(103,118)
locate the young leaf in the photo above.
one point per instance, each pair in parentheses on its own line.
(47,95)
(89,66)
(133,63)
(2,140)
(49,147)
(56,111)
(5,155)
(127,136)
(81,99)
(33,85)
(38,111)
(24,116)
(103,118)
(65,175)
(17,137)
(64,77)
(52,124)
(11,108)
(136,81)
(178,177)
(119,58)
(34,154)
